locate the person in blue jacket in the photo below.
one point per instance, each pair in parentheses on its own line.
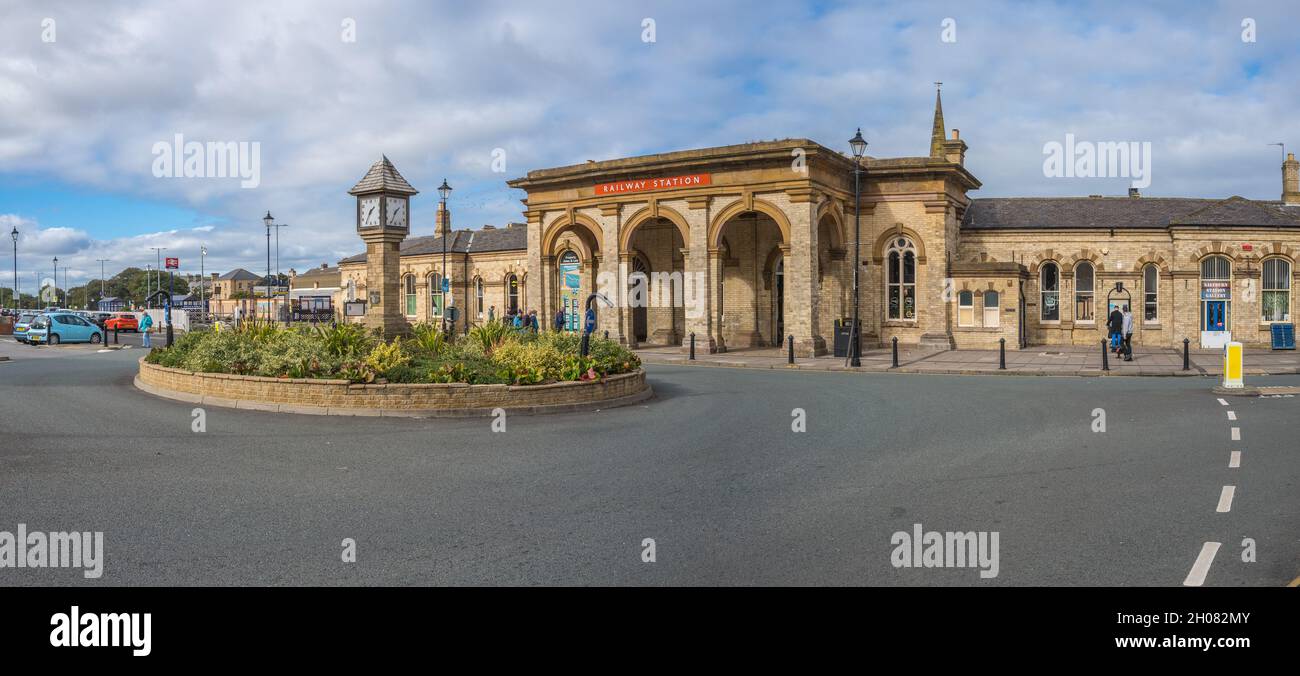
(146,323)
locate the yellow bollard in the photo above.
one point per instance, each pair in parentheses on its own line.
(1232,366)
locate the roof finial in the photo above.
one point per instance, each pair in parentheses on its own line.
(937,132)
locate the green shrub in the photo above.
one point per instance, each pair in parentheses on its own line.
(344,340)
(428,338)
(490,335)
(385,357)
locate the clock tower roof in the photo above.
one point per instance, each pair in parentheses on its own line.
(383,177)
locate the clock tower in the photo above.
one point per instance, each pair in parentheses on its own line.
(383,221)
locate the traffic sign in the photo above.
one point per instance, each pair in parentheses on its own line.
(173,263)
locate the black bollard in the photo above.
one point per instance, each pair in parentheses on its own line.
(790,354)
(894,340)
(115,335)
(692,346)
(1105,355)
(1002,354)
(1186,364)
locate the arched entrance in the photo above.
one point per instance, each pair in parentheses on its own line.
(639,277)
(569,283)
(752,305)
(655,246)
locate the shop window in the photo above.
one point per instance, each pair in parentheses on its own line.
(1083,293)
(965,308)
(1049,282)
(1275,302)
(992,311)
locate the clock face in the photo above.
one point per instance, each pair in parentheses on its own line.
(368,214)
(396,209)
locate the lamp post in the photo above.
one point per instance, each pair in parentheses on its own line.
(17,296)
(203,251)
(859,147)
(269,221)
(157,268)
(444,191)
(148,281)
(101,278)
(56,280)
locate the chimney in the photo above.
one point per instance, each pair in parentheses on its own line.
(1134,192)
(443,221)
(489,227)
(1291,181)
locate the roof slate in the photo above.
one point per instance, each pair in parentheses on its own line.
(1123,212)
(383,177)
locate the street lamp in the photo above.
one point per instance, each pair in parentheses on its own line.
(203,251)
(444,191)
(56,280)
(859,147)
(101,279)
(269,220)
(158,268)
(17,296)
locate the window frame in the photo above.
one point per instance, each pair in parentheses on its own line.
(410,297)
(1043,293)
(898,290)
(1090,295)
(436,297)
(996,309)
(968,307)
(1150,296)
(1265,290)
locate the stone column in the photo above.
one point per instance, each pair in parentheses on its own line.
(383,274)
(535,292)
(801,280)
(699,280)
(609,318)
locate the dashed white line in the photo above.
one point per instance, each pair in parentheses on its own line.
(1202,566)
(1223,402)
(1225,499)
(1236,434)
(1234,461)
(1232,415)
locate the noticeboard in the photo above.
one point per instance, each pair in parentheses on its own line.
(354,308)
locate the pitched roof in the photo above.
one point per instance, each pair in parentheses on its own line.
(239,275)
(1123,212)
(514,238)
(383,177)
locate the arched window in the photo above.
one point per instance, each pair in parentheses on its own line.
(901,279)
(1049,283)
(478,297)
(1275,303)
(1083,293)
(992,311)
(512,293)
(435,294)
(965,308)
(411,305)
(1151,293)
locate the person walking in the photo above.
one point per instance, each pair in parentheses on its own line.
(492,313)
(533,321)
(146,324)
(1115,324)
(1127,329)
(559,320)
(518,321)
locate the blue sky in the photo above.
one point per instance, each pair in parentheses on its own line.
(439,87)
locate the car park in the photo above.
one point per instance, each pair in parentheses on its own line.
(122,322)
(54,328)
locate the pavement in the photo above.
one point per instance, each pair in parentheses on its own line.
(1054,360)
(713,471)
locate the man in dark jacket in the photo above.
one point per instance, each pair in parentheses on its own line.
(559,320)
(1115,323)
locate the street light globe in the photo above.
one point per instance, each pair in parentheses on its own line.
(858,144)
(14,234)
(267,219)
(444,190)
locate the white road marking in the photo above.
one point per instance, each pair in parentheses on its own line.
(1223,403)
(1234,461)
(1236,434)
(1225,499)
(1232,415)
(1202,566)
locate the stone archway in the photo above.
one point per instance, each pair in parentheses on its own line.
(754,242)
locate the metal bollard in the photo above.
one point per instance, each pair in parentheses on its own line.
(1002,354)
(1186,364)
(692,346)
(115,335)
(790,354)
(1105,355)
(895,342)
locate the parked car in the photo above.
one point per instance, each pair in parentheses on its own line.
(100,317)
(63,327)
(122,322)
(23,324)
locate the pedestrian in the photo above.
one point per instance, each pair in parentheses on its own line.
(518,321)
(1115,324)
(492,313)
(1127,329)
(559,320)
(146,323)
(533,322)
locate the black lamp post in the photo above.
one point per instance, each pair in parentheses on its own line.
(859,146)
(56,280)
(17,296)
(268,220)
(444,191)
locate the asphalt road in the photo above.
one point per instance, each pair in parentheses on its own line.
(710,470)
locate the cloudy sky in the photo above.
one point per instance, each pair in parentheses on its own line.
(440,87)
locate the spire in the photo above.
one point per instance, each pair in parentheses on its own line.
(937,133)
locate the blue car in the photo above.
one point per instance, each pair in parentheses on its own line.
(24,322)
(63,327)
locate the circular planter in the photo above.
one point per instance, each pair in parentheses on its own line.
(339,397)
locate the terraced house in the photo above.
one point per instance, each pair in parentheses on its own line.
(760,239)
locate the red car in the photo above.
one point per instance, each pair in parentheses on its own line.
(122,323)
